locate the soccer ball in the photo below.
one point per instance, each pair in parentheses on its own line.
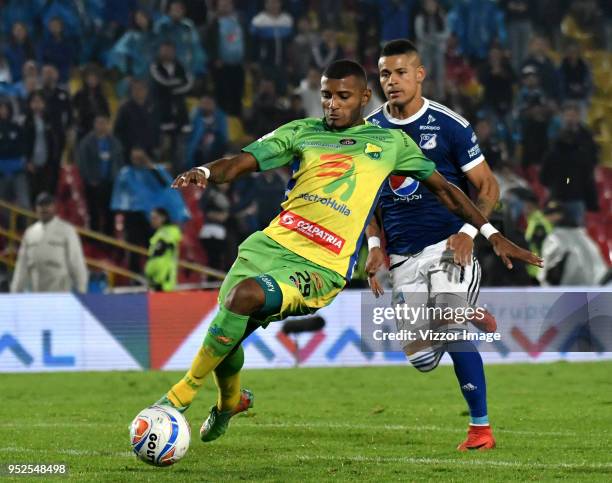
(160,435)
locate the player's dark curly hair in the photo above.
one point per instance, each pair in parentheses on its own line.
(398,47)
(340,69)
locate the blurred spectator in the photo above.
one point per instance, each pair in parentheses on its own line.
(589,18)
(534,118)
(547,18)
(137,189)
(29,81)
(296,108)
(50,257)
(137,122)
(197,11)
(89,101)
(395,18)
(215,205)
(69,13)
(14,186)
(170,84)
(5,71)
(135,50)
(18,50)
(431,36)
(304,40)
(58,50)
(57,100)
(42,142)
(508,179)
(161,268)
(494,151)
(568,170)
(116,14)
(494,272)
(271,30)
(545,69)
(458,70)
(310,92)
(100,157)
(270,192)
(209,136)
(267,109)
(497,79)
(518,24)
(244,207)
(570,256)
(538,228)
(226,44)
(181,32)
(575,76)
(22,11)
(477,24)
(327,49)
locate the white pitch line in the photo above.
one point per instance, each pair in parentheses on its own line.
(312,425)
(399,427)
(359,459)
(449,461)
(67,451)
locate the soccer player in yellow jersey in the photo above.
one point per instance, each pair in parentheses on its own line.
(303,259)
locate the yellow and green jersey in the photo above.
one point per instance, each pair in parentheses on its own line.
(336,181)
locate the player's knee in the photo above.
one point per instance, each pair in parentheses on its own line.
(246,298)
(426,362)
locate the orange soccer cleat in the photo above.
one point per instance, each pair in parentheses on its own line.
(478,437)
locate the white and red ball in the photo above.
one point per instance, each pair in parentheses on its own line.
(160,435)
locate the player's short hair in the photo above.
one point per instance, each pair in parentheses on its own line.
(340,69)
(398,47)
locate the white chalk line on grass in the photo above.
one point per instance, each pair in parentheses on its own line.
(449,461)
(305,425)
(486,463)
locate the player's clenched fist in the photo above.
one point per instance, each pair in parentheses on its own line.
(507,250)
(195,176)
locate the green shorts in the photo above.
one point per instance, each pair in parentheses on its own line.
(293,285)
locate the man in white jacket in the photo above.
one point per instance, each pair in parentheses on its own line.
(50,257)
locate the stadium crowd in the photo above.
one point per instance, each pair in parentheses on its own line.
(102,102)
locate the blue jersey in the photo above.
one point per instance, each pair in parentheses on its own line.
(412,216)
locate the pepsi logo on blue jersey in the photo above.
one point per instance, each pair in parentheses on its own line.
(413,218)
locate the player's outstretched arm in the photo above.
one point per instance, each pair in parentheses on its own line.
(487,187)
(458,202)
(224,170)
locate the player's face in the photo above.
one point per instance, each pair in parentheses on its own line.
(401,77)
(343,101)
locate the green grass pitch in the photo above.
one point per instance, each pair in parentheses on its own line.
(552,421)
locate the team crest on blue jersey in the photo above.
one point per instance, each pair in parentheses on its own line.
(428,141)
(403,185)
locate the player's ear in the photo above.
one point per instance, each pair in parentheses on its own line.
(367,95)
(421,73)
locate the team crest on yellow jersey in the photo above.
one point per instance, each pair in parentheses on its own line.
(373,151)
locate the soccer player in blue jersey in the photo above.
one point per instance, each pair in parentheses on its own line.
(430,249)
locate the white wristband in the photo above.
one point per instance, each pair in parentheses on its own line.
(373,242)
(204,170)
(469,230)
(487,230)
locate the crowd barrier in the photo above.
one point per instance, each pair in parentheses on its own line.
(68,332)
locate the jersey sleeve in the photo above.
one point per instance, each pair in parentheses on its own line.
(276,148)
(465,148)
(410,160)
